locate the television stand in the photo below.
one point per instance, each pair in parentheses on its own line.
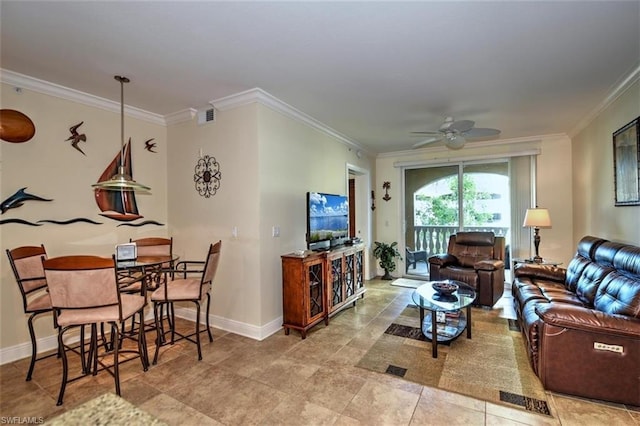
(319,285)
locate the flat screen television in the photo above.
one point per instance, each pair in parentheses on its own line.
(327,220)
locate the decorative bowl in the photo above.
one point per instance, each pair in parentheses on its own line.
(444,288)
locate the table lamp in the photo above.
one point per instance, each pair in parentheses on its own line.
(536,219)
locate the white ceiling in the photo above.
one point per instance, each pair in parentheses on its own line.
(372,71)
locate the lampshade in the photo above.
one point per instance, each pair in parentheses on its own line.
(537,218)
(121,181)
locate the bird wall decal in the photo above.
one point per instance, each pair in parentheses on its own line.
(150,146)
(75,138)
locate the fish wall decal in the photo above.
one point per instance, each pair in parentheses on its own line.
(18,199)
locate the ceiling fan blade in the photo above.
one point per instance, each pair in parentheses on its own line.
(462,125)
(426,141)
(426,133)
(481,132)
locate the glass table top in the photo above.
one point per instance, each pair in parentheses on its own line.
(427,298)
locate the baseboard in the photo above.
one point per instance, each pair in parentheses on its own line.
(232,326)
(23,350)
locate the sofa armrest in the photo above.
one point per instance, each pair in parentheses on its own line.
(588,320)
(443,260)
(589,353)
(547,272)
(489,265)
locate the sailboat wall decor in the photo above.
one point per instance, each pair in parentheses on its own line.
(118,204)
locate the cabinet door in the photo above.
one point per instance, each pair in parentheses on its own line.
(359,270)
(315,283)
(336,271)
(350,274)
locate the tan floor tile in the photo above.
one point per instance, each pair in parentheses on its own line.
(491,420)
(298,411)
(436,411)
(251,361)
(173,412)
(37,403)
(518,415)
(581,412)
(174,372)
(332,388)
(429,393)
(380,404)
(348,421)
(287,375)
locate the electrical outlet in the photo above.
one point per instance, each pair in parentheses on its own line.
(275,231)
(234,232)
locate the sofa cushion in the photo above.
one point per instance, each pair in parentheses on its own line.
(472,247)
(588,245)
(627,261)
(476,238)
(606,252)
(619,294)
(575,270)
(589,281)
(465,275)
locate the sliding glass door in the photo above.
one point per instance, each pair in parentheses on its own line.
(442,200)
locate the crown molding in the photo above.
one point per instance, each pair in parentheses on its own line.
(618,90)
(180,116)
(257,95)
(30,83)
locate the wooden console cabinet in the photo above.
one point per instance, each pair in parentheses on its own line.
(318,285)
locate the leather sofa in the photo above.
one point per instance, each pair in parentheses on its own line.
(581,325)
(475,258)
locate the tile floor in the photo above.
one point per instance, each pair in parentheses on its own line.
(285,380)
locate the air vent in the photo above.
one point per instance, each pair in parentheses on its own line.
(206,116)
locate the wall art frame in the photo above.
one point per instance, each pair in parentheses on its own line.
(626,164)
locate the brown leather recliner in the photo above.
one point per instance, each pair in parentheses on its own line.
(476,258)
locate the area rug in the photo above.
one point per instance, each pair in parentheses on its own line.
(492,366)
(405,282)
(107,409)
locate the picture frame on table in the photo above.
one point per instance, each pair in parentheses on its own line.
(626,164)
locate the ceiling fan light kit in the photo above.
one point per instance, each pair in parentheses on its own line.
(455,133)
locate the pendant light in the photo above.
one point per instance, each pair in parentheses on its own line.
(121,181)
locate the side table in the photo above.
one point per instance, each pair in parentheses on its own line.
(530,260)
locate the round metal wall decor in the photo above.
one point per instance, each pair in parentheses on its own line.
(207,176)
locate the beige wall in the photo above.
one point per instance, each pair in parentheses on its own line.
(294,159)
(593,188)
(49,167)
(268,163)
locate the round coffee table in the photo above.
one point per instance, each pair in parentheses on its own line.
(446,312)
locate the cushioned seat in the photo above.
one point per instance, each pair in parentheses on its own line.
(180,288)
(26,264)
(84,292)
(476,258)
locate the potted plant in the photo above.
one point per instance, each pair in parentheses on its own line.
(387,253)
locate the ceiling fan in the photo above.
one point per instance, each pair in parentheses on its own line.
(455,133)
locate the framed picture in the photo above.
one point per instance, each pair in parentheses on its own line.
(626,164)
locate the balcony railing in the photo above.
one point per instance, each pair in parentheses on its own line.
(434,239)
